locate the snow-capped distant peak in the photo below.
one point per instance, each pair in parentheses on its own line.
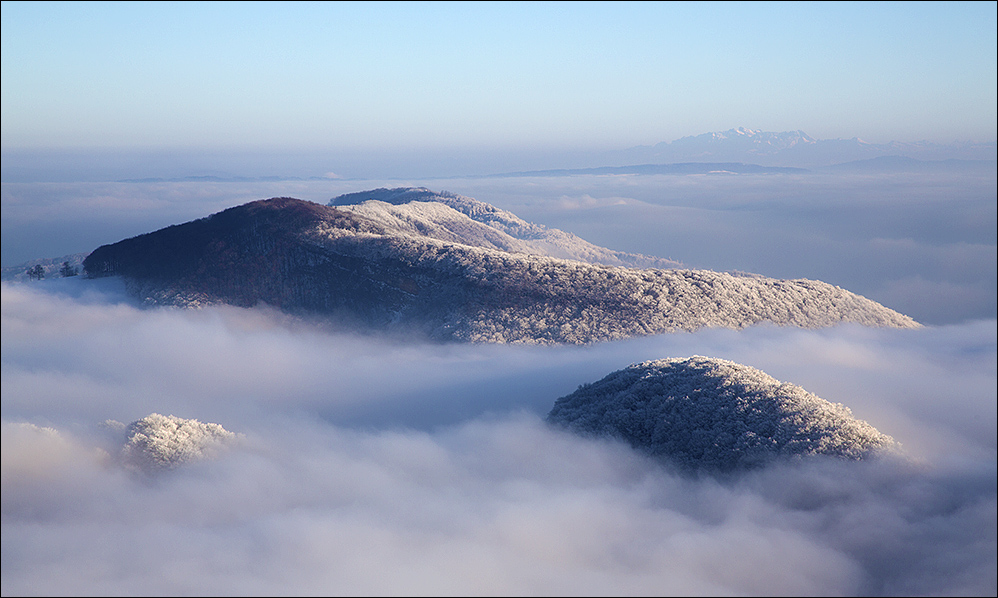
(751,142)
(793,149)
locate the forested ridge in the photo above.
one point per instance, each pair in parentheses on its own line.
(305,258)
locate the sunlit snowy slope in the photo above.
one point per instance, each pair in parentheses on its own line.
(459,219)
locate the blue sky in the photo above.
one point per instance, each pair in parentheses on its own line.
(561,75)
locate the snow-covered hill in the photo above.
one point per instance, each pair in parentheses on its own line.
(706,414)
(56,267)
(368,268)
(459,219)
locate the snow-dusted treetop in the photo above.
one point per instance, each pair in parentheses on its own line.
(706,414)
(160,442)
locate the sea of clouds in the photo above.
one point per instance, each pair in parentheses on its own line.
(369,465)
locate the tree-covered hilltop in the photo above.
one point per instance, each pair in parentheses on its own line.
(450,217)
(704,414)
(309,259)
(45,268)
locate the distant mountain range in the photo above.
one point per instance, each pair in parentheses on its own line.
(807,161)
(794,149)
(735,151)
(451,268)
(675,168)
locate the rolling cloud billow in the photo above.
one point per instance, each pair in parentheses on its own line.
(367,465)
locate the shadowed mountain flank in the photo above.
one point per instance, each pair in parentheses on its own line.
(367,267)
(705,414)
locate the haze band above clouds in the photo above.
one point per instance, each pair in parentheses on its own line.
(923,244)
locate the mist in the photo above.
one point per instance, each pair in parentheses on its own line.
(372,465)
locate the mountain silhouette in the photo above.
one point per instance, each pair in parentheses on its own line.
(794,149)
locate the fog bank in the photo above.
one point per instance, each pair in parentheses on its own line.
(370,466)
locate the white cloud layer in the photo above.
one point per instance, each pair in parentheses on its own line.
(373,467)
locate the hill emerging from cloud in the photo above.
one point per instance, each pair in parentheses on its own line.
(456,269)
(459,219)
(706,414)
(163,442)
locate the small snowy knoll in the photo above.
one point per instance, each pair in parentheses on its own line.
(706,414)
(161,442)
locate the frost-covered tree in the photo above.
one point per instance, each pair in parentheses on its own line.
(161,442)
(37,272)
(68,270)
